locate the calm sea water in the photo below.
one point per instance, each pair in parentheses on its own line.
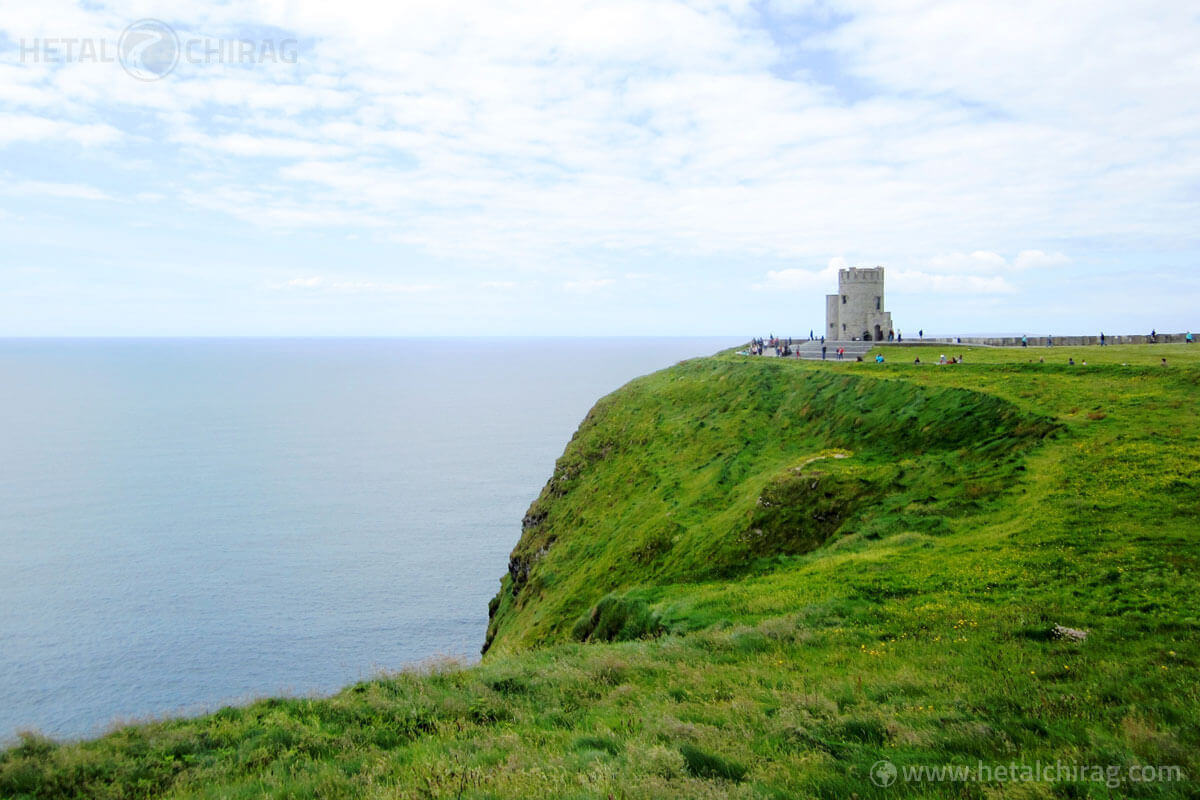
(188,523)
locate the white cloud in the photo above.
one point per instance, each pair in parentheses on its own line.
(1036,259)
(587,285)
(653,123)
(32,128)
(812,281)
(72,191)
(978,261)
(382,287)
(321,284)
(989,264)
(918,282)
(979,273)
(804,280)
(259,146)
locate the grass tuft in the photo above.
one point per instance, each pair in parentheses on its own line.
(703,764)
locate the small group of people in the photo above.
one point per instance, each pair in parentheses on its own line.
(1152,338)
(942,360)
(781,346)
(1187,339)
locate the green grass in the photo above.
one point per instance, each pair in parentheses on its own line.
(758,577)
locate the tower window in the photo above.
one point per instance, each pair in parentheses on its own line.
(843,299)
(878,303)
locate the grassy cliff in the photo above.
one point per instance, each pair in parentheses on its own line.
(718,469)
(758,578)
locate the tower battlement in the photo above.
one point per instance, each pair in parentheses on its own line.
(860,275)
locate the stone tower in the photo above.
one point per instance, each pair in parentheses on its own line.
(856,311)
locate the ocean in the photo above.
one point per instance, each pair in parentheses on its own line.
(188,523)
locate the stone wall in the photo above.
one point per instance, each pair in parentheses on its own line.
(832,305)
(1042,341)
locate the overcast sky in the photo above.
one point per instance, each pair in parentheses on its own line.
(614,167)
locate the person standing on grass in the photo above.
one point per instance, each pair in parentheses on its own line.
(1024,341)
(1102,338)
(1188,338)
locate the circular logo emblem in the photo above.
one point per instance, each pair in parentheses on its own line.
(149,49)
(883,773)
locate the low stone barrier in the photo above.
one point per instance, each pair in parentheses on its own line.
(995,341)
(1046,341)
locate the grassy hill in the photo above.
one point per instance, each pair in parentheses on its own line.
(759,578)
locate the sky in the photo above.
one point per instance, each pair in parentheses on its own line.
(625,167)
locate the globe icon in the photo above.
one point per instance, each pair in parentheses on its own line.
(148,49)
(883,773)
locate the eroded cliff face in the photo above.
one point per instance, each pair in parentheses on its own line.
(716,467)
